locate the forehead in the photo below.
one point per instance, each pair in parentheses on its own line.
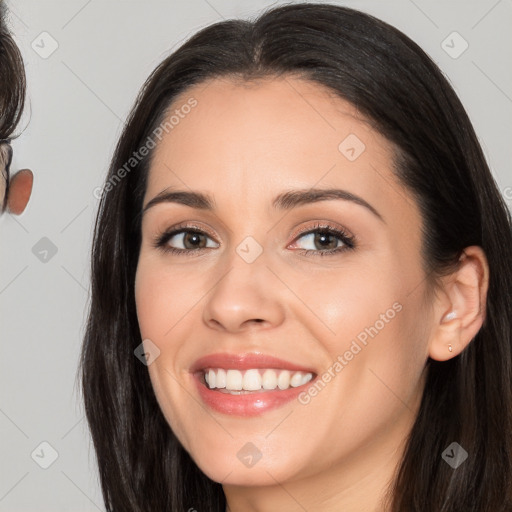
(253,137)
(278,113)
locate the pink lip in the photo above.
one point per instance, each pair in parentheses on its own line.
(245,362)
(251,404)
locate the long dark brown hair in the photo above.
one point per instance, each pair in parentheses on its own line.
(399,89)
(12,79)
(12,89)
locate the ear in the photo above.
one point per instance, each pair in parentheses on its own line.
(20,188)
(461,306)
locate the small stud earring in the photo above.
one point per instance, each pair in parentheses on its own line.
(450,316)
(450,347)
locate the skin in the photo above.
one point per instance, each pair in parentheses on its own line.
(243,144)
(20,188)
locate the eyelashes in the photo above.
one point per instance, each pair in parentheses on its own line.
(192,235)
(320,233)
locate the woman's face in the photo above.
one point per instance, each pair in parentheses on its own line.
(254,277)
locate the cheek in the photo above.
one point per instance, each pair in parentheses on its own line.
(162,296)
(150,297)
(348,305)
(160,305)
(377,339)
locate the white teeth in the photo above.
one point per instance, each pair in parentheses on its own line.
(234,380)
(306,378)
(283,381)
(220,379)
(296,380)
(211,379)
(269,380)
(254,379)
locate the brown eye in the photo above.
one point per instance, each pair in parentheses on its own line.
(193,240)
(188,240)
(325,240)
(184,241)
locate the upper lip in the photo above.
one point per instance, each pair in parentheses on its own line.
(245,361)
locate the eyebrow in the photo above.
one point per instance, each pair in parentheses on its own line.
(284,201)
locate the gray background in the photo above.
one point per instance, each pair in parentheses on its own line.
(78,98)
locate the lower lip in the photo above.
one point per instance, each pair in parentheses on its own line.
(250,404)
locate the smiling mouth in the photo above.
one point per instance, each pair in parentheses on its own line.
(252,381)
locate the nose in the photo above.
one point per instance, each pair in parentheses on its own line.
(246,296)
